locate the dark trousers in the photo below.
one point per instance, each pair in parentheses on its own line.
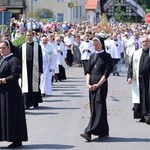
(69,58)
(117,67)
(84,62)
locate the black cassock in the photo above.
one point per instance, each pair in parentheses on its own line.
(12,115)
(32,98)
(98,124)
(143,108)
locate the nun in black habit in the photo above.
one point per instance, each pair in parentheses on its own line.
(99,67)
(12,115)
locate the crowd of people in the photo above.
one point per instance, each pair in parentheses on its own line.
(50,49)
(124,37)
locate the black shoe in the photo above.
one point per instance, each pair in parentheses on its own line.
(142,120)
(15,144)
(86,136)
(103,137)
(147,119)
(118,74)
(27,108)
(35,106)
(43,95)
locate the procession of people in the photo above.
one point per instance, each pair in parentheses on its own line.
(49,51)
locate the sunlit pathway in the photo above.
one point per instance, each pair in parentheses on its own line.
(60,119)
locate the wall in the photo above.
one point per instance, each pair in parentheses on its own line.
(58,7)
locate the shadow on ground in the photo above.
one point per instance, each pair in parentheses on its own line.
(52,108)
(121,139)
(40,113)
(43,146)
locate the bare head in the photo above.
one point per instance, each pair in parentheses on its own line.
(145,40)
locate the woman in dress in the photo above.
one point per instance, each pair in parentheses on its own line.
(12,115)
(99,67)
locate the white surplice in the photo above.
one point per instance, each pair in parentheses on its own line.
(135,80)
(60,53)
(49,65)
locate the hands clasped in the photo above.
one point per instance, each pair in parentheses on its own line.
(93,87)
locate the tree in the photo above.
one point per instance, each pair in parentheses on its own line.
(43,13)
(19,41)
(119,14)
(144,3)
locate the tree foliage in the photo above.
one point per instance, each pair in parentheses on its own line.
(19,41)
(119,14)
(43,13)
(144,3)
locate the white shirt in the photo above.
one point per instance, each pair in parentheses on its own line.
(86,49)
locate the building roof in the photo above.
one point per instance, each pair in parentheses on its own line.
(91,4)
(140,10)
(132,3)
(3,8)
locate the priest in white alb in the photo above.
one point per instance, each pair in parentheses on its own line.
(49,65)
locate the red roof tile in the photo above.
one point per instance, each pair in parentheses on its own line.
(91,4)
(3,9)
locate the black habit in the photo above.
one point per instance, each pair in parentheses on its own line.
(12,115)
(32,98)
(98,124)
(143,108)
(62,73)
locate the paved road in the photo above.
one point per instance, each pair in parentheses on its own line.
(60,119)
